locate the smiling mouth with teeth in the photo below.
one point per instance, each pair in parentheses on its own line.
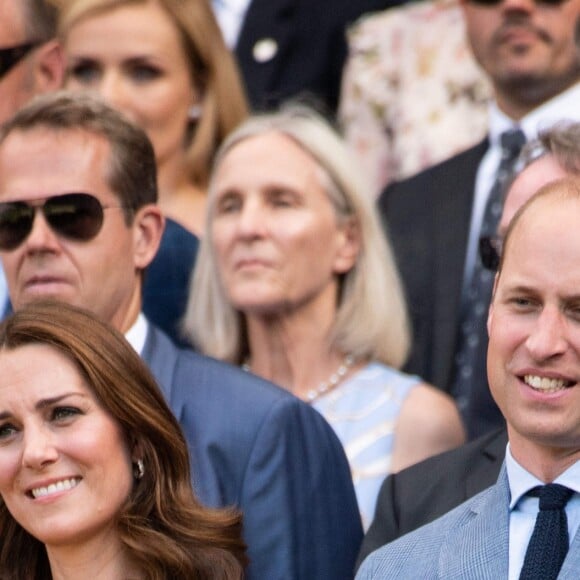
(545,384)
(64,485)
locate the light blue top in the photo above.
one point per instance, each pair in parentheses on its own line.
(363,410)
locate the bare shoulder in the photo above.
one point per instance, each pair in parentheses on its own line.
(429,423)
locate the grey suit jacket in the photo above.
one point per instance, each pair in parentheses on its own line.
(470,542)
(261,449)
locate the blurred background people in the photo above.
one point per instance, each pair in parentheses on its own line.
(79,223)
(94,469)
(30,63)
(296,282)
(437,217)
(412,94)
(291,48)
(164,64)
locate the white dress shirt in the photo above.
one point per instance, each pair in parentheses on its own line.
(137,334)
(562,107)
(524,510)
(230,15)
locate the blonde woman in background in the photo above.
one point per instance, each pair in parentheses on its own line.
(164,64)
(296,282)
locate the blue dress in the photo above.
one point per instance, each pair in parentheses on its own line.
(363,411)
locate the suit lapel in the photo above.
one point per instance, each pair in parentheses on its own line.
(452,218)
(161,359)
(267,23)
(478,547)
(571,567)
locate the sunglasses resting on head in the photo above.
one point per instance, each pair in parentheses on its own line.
(75,216)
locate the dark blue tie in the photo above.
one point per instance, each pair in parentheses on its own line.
(549,542)
(470,384)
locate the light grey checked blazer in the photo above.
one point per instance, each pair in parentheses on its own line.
(468,543)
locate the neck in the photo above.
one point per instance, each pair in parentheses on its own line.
(544,459)
(99,559)
(518,101)
(293,351)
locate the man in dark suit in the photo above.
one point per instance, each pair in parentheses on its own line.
(418,495)
(434,219)
(287,48)
(79,223)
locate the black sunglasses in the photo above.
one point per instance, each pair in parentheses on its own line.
(11,56)
(77,216)
(490,251)
(496,2)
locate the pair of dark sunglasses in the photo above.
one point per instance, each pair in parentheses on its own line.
(496,2)
(10,57)
(76,216)
(490,251)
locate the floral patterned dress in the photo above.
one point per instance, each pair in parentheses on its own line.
(412,93)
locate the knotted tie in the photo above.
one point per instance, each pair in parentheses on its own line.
(470,388)
(549,542)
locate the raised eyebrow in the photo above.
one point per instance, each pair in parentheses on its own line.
(44,403)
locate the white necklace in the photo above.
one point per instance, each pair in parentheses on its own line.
(325,386)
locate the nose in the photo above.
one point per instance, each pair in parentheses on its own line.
(525,6)
(548,338)
(111,89)
(41,238)
(39,449)
(252,221)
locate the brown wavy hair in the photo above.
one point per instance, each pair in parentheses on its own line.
(165,530)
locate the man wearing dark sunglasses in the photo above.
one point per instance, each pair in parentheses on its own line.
(79,223)
(30,63)
(436,218)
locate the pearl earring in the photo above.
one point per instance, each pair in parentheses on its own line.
(194,112)
(139,469)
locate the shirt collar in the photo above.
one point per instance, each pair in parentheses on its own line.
(137,334)
(561,107)
(521,481)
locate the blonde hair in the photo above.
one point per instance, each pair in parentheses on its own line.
(371,320)
(213,68)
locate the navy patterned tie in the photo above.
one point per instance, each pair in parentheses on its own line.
(549,542)
(470,383)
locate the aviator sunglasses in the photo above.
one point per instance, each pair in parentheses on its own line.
(76,216)
(10,57)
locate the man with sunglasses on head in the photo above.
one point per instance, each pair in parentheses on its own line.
(79,223)
(435,219)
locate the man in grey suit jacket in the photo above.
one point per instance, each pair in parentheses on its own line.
(534,373)
(79,223)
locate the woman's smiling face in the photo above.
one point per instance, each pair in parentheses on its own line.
(65,466)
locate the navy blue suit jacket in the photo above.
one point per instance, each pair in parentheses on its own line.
(310,37)
(257,447)
(166,283)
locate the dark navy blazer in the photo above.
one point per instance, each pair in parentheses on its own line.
(257,447)
(166,284)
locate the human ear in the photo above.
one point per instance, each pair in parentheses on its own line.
(49,67)
(349,244)
(148,226)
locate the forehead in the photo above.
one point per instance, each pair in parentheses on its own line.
(545,242)
(37,371)
(11,22)
(41,162)
(270,155)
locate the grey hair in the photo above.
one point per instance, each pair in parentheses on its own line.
(371,321)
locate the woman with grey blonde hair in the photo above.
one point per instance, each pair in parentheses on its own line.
(296,282)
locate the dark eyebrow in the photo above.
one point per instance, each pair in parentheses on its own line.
(44,403)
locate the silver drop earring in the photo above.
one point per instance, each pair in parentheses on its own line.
(139,470)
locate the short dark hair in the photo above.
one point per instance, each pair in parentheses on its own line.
(131,171)
(39,19)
